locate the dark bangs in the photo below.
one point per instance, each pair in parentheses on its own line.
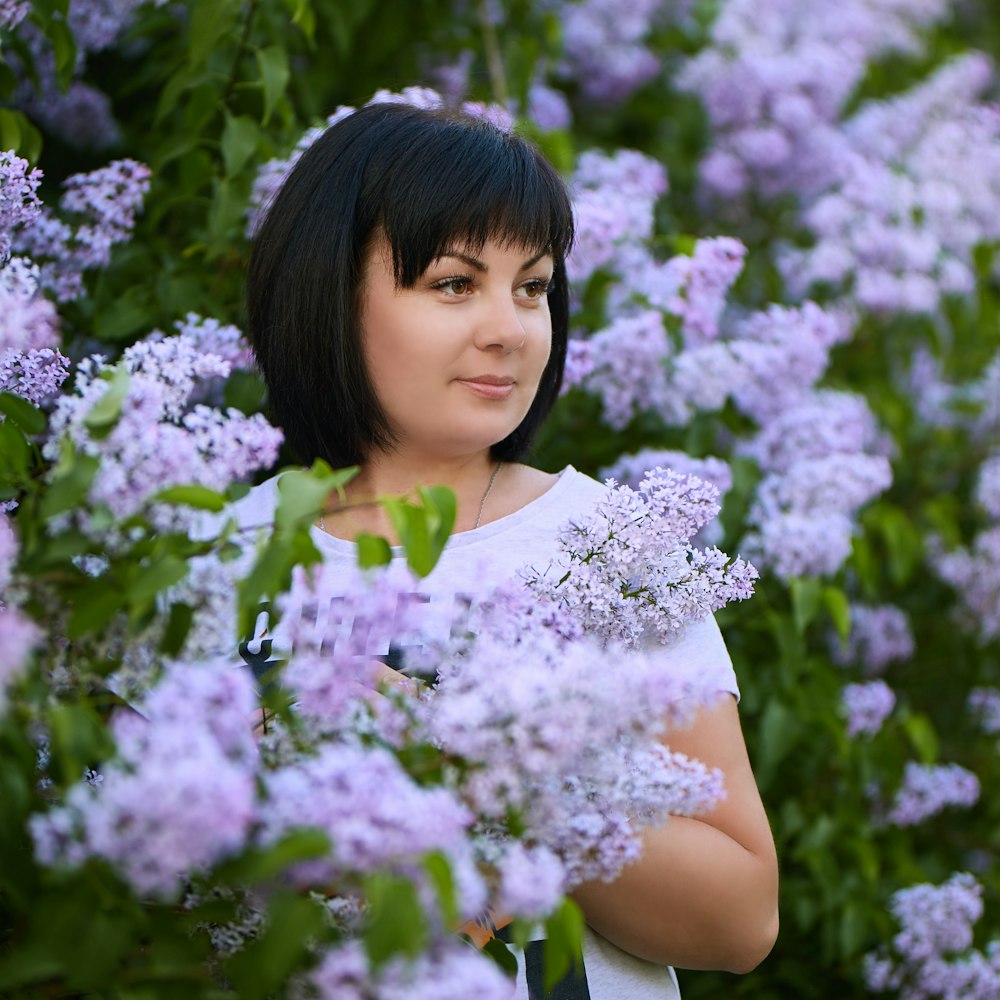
(471,184)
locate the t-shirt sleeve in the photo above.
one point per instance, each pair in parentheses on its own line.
(701,645)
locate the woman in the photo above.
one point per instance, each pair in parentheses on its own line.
(407,305)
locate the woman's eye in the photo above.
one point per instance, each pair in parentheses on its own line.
(536,288)
(454,286)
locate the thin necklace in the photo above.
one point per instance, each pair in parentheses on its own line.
(482,503)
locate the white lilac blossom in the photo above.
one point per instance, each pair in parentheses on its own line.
(879,635)
(929,788)
(181,793)
(103,205)
(603,46)
(159,440)
(931,957)
(918,192)
(974,573)
(19,201)
(984,704)
(775,80)
(272,174)
(630,571)
(448,971)
(988,486)
(867,706)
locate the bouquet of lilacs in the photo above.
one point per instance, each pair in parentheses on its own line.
(631,571)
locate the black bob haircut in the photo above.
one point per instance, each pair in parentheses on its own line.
(429,180)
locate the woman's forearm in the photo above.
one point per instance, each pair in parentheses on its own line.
(696,899)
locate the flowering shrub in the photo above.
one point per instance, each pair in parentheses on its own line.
(783,284)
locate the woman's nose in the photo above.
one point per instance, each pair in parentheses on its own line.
(500,325)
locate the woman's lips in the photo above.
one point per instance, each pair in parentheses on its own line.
(490,386)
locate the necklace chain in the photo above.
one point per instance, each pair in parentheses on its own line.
(482,503)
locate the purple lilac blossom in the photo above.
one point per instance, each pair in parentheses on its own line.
(159,440)
(12,12)
(929,788)
(974,573)
(984,704)
(932,955)
(33,375)
(879,635)
(632,571)
(776,78)
(28,321)
(548,108)
(105,202)
(375,815)
(180,795)
(579,363)
(603,46)
(988,486)
(702,282)
(531,881)
(450,971)
(918,193)
(867,706)
(793,544)
(82,116)
(19,202)
(8,552)
(19,635)
(632,469)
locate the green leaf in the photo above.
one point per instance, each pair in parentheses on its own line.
(239,142)
(806,593)
(921,733)
(373,550)
(257,866)
(274,75)
(397,924)
(29,418)
(93,607)
(156,577)
(780,729)
(211,22)
(178,626)
(303,492)
(78,739)
(441,877)
(563,947)
(199,497)
(15,452)
(70,483)
(64,50)
(839,610)
(303,16)
(105,412)
(501,956)
(441,506)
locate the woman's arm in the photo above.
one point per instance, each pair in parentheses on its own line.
(704,894)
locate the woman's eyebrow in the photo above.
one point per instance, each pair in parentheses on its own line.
(477,264)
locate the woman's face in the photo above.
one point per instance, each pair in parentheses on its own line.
(456,359)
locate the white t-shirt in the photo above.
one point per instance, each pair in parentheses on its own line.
(472,564)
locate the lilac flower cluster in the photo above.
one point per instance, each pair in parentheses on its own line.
(932,955)
(867,706)
(929,788)
(450,971)
(900,225)
(879,635)
(974,573)
(603,46)
(106,202)
(12,12)
(18,634)
(19,202)
(819,470)
(630,570)
(28,321)
(272,174)
(631,469)
(181,793)
(776,78)
(984,703)
(158,440)
(551,735)
(988,487)
(548,108)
